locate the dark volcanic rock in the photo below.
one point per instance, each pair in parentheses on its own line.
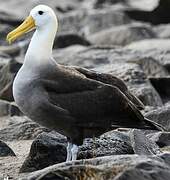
(142,145)
(103,3)
(111,143)
(159,15)
(50,149)
(7,73)
(146,171)
(4,108)
(22,8)
(122,35)
(161,116)
(161,138)
(9,18)
(20,128)
(162,31)
(90,21)
(65,40)
(5,150)
(47,149)
(162,85)
(8,108)
(119,167)
(155,48)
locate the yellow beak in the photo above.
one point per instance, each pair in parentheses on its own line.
(26,26)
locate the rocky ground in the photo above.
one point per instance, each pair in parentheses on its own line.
(127,38)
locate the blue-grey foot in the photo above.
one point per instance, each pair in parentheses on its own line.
(72,151)
(69,155)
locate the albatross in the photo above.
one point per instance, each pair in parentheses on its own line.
(73,101)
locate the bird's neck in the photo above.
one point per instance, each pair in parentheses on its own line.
(40,48)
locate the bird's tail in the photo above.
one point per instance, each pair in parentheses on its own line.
(154,125)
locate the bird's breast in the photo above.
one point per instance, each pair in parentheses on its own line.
(22,88)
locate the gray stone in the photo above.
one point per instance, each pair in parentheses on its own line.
(91,21)
(8,108)
(162,31)
(21,8)
(161,115)
(7,73)
(65,40)
(5,150)
(50,148)
(162,85)
(143,145)
(101,3)
(155,48)
(20,128)
(4,108)
(109,167)
(122,35)
(160,138)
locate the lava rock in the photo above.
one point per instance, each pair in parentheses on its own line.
(160,15)
(4,108)
(65,40)
(5,150)
(20,128)
(155,48)
(143,145)
(14,110)
(161,115)
(7,108)
(90,21)
(46,150)
(22,8)
(162,85)
(122,35)
(160,138)
(50,148)
(101,3)
(117,167)
(7,74)
(162,31)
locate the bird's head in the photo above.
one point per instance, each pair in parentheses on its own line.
(40,18)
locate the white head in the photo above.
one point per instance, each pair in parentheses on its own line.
(41,17)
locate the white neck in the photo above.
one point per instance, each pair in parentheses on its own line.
(40,48)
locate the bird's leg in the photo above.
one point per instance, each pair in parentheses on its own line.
(69,151)
(94,146)
(74,152)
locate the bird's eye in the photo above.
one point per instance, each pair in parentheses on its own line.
(40,12)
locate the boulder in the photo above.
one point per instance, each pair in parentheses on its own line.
(5,150)
(4,108)
(162,30)
(50,148)
(118,167)
(142,144)
(160,138)
(90,21)
(159,15)
(160,115)
(122,35)
(7,73)
(20,128)
(65,40)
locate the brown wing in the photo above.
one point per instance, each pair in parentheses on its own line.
(111,80)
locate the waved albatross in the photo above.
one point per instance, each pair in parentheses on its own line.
(75,102)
